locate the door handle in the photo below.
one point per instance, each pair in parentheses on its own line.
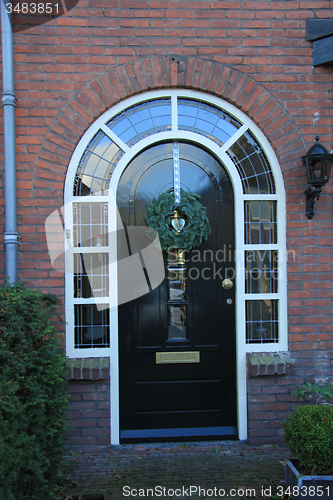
(227,284)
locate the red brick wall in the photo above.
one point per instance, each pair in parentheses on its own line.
(88,415)
(253,54)
(268,405)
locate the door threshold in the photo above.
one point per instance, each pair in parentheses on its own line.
(184,434)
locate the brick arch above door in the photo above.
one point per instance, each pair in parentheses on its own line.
(154,73)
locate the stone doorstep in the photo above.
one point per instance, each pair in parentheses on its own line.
(268,363)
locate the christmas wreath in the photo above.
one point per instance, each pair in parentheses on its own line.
(184,226)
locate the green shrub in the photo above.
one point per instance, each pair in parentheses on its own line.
(321,392)
(33,396)
(308,433)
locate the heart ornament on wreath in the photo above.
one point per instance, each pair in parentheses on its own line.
(178,224)
(185,232)
(177,221)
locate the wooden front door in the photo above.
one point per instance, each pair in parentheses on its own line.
(177,345)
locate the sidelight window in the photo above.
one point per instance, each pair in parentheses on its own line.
(261,271)
(90,275)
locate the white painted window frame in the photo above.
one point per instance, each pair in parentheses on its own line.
(240,247)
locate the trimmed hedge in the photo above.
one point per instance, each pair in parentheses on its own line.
(308,433)
(33,396)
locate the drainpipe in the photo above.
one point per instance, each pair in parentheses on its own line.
(8,102)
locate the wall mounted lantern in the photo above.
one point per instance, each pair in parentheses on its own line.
(317,163)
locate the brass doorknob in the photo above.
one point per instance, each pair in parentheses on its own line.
(227,284)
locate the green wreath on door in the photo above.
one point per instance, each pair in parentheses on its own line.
(190,227)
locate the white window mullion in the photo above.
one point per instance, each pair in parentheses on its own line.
(260,197)
(174,113)
(263,246)
(114,138)
(262,296)
(241,131)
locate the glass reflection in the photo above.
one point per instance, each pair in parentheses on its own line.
(261,271)
(91,275)
(142,120)
(260,222)
(176,256)
(206,120)
(177,300)
(176,322)
(96,166)
(177,285)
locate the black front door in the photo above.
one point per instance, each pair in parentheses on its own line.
(177,347)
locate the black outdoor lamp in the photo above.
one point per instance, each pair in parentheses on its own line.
(317,163)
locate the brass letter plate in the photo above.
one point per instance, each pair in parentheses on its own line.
(178,357)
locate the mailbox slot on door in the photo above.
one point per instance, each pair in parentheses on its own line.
(178,357)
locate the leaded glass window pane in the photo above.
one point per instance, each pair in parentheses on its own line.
(262,321)
(261,271)
(90,224)
(91,275)
(206,120)
(92,325)
(260,222)
(96,166)
(252,165)
(142,121)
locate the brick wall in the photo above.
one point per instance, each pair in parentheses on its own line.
(88,415)
(270,398)
(269,402)
(253,54)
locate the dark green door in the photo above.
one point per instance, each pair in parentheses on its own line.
(177,348)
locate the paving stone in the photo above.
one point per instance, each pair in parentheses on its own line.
(224,466)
